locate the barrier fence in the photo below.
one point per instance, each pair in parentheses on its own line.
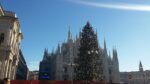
(54,82)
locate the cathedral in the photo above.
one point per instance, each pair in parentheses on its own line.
(59,64)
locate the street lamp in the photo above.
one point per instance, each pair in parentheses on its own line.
(71,65)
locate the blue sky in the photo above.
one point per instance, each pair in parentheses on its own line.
(123,23)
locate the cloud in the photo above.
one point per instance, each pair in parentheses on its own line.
(121,6)
(34,65)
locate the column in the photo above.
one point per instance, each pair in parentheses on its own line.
(3,69)
(12,69)
(9,70)
(4,72)
(2,64)
(6,68)
(0,61)
(0,68)
(14,73)
(6,62)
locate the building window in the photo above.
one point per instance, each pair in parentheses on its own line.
(1,38)
(110,71)
(65,69)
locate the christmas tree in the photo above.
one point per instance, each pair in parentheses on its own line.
(88,65)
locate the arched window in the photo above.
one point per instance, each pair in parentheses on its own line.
(110,71)
(65,69)
(1,38)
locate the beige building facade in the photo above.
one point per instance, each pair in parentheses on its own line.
(136,77)
(10,38)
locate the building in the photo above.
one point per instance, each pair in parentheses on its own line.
(10,38)
(136,77)
(22,69)
(45,67)
(59,64)
(33,75)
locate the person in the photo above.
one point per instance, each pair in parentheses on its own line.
(6,81)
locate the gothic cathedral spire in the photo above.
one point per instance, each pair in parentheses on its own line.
(140,67)
(115,56)
(45,54)
(58,48)
(105,48)
(69,34)
(115,72)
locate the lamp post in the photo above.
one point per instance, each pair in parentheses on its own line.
(71,65)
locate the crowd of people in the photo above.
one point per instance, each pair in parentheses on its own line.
(5,81)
